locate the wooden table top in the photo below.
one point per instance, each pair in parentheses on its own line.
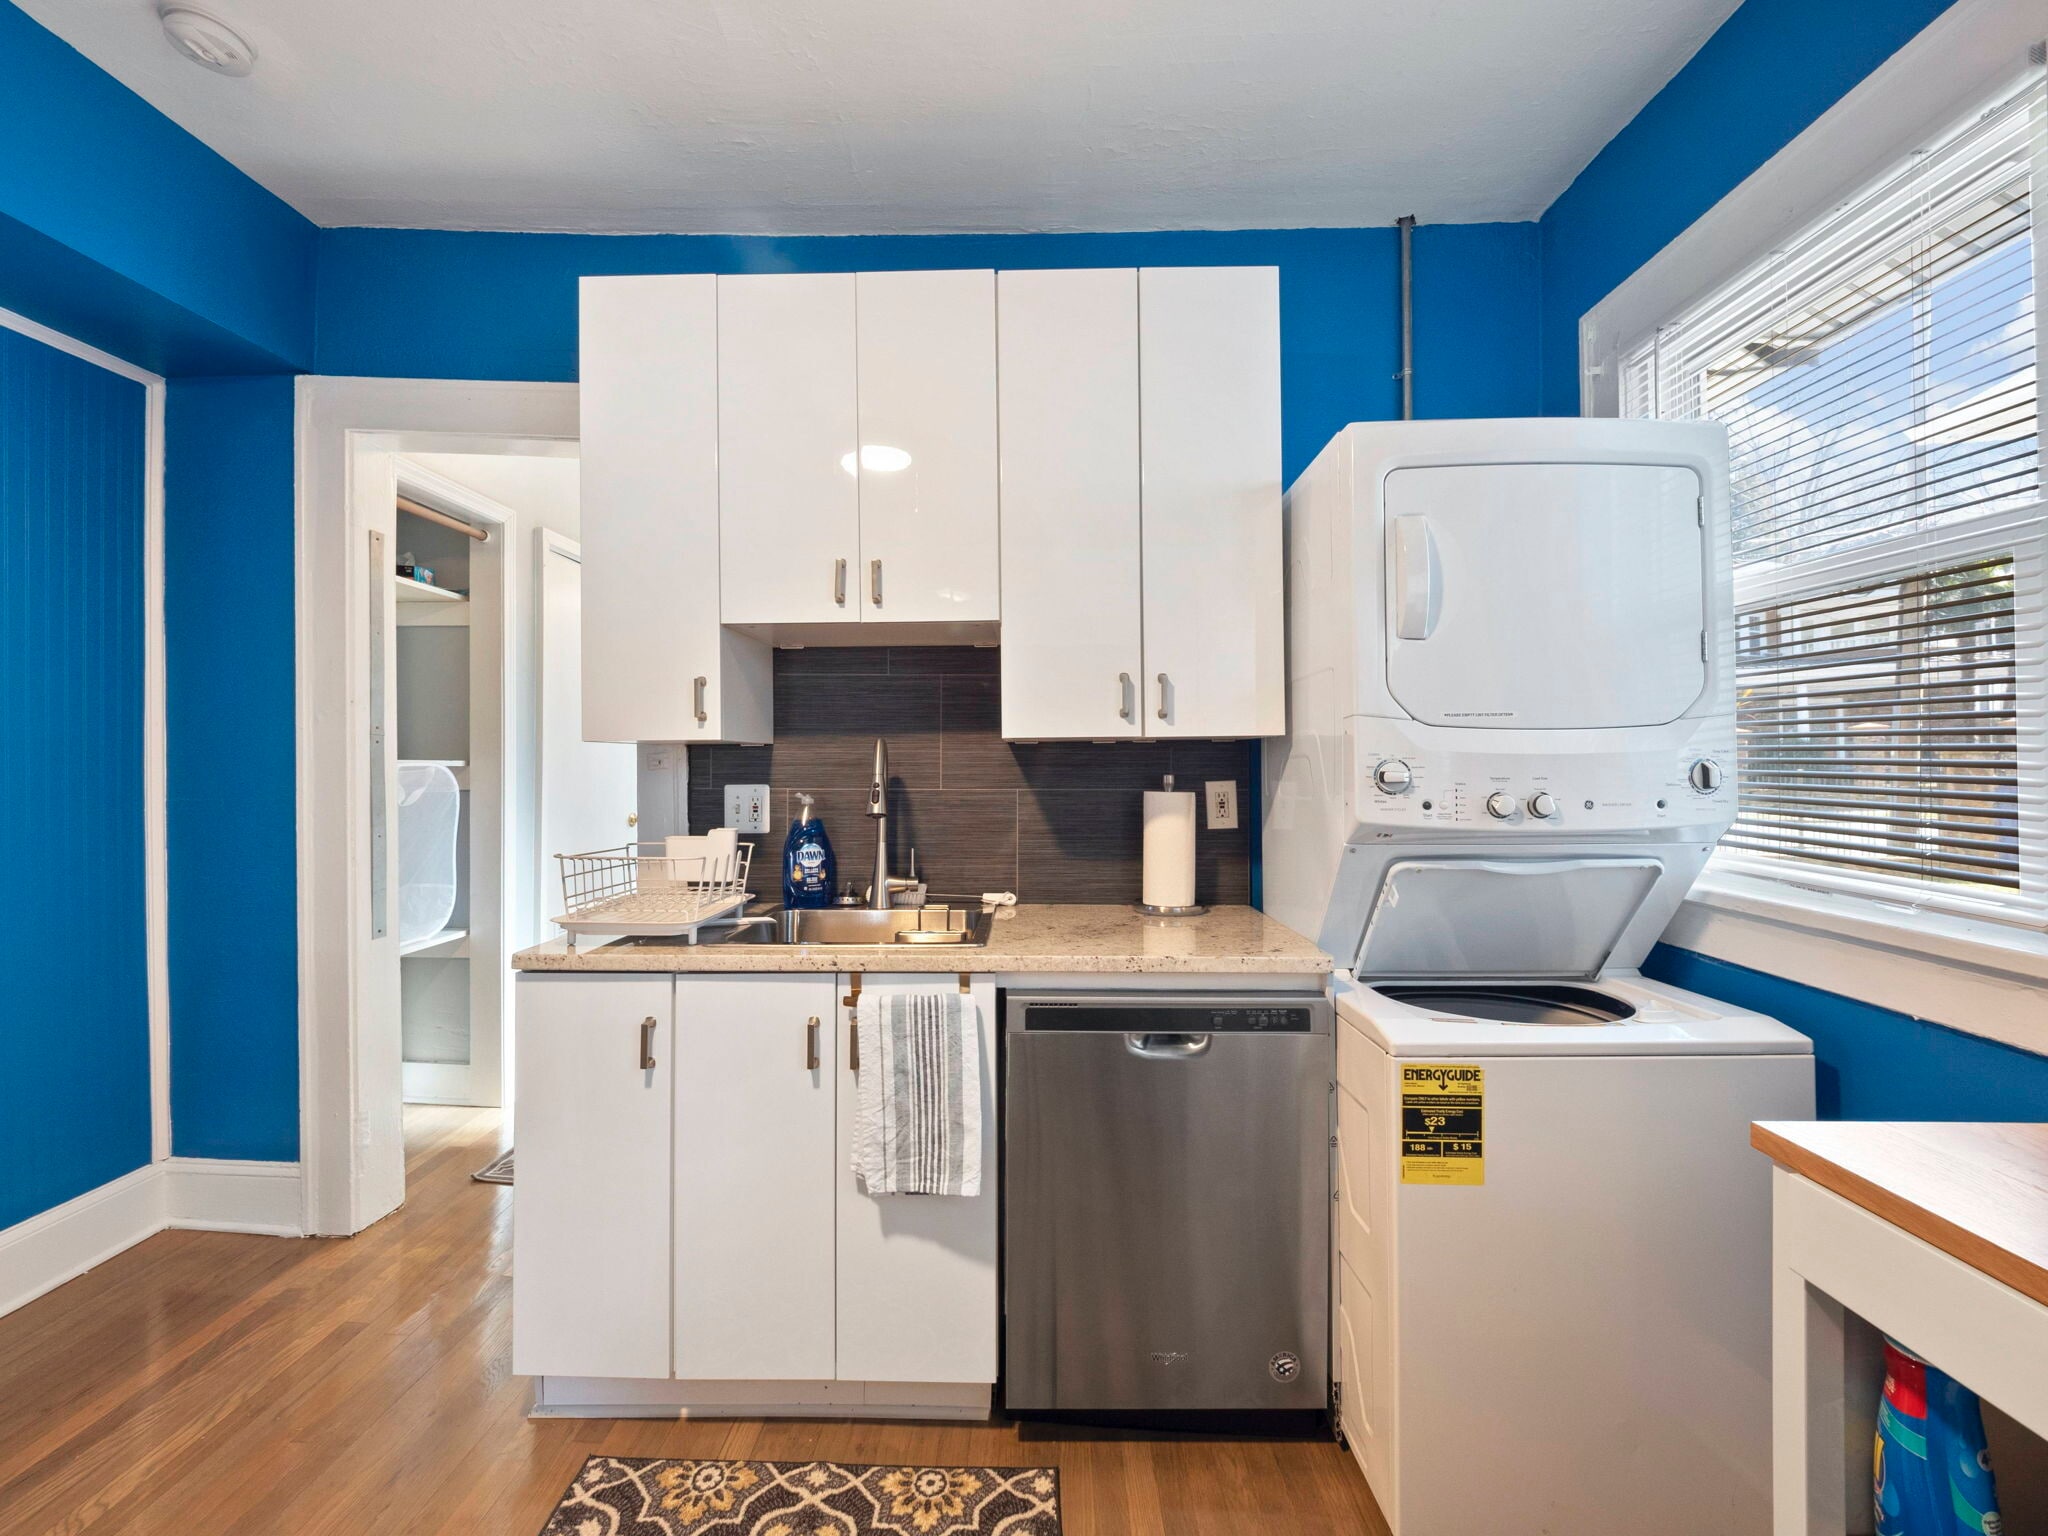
(1978,1192)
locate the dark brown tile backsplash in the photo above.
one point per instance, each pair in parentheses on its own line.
(1053,821)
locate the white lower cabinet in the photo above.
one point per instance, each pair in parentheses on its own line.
(698,1223)
(755,1164)
(916,1273)
(590,1234)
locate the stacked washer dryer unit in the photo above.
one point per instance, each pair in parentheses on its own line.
(1511,740)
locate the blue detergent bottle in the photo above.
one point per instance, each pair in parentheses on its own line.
(1932,1471)
(809,872)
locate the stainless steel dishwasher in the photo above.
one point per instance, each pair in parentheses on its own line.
(1166,1200)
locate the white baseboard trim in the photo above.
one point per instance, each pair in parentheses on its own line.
(40,1254)
(212,1194)
(610,1397)
(197,1193)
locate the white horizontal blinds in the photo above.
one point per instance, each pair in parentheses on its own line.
(1877,728)
(1880,382)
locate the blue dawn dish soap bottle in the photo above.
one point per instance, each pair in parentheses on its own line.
(809,872)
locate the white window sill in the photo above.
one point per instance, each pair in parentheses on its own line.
(1980,978)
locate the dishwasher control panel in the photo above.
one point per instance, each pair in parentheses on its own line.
(1170,1015)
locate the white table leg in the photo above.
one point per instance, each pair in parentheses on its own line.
(1808,1430)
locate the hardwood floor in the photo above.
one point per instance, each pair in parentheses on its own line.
(206,1384)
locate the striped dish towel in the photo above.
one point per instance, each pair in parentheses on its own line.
(918,1126)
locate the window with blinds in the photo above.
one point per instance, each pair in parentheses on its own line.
(1880,382)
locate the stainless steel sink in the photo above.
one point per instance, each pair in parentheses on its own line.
(899,925)
(858,926)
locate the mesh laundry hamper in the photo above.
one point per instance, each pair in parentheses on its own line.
(429,807)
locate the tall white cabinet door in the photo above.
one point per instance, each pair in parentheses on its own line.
(754,1177)
(590,1235)
(1209,348)
(917,1273)
(927,346)
(1067,385)
(656,666)
(788,486)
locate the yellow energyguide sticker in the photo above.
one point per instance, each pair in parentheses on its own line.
(1443,1135)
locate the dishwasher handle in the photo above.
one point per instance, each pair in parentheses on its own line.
(1163,1047)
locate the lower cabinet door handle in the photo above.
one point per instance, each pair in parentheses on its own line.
(852,1045)
(811,1046)
(647,1044)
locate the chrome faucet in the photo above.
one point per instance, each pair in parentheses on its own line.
(885,885)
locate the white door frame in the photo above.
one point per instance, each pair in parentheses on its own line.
(352,1156)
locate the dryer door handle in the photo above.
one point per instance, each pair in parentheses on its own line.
(1418,580)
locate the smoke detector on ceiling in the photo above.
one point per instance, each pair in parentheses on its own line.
(207,40)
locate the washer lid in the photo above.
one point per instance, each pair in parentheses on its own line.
(1520,919)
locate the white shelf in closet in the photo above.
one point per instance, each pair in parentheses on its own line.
(410,591)
(448,944)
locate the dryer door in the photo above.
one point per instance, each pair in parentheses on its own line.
(1545,596)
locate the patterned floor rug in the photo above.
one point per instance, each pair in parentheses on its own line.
(643,1496)
(497,1171)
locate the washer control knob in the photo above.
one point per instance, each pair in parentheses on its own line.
(1392,777)
(1500,805)
(1542,806)
(1705,775)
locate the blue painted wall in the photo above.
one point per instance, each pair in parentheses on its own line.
(1871,1063)
(443,304)
(120,228)
(74,1015)
(1768,72)
(229,692)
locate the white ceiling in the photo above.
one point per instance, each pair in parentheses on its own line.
(888,116)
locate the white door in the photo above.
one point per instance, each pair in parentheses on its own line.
(588,789)
(657,665)
(1209,371)
(917,1273)
(1067,385)
(927,348)
(1545,596)
(754,1177)
(590,1238)
(788,434)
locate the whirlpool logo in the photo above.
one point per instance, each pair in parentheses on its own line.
(1168,1357)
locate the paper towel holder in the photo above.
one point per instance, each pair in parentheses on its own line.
(1146,909)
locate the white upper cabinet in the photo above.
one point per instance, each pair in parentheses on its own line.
(1209,371)
(927,398)
(1067,382)
(656,664)
(788,431)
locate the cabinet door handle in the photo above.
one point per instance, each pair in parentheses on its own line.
(1162,695)
(1123,695)
(697,699)
(853,1045)
(839,582)
(647,1044)
(875,581)
(811,1046)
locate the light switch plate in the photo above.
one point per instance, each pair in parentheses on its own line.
(746,807)
(1220,795)
(656,759)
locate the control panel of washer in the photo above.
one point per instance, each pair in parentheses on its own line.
(1400,785)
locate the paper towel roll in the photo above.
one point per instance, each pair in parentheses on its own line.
(1169,848)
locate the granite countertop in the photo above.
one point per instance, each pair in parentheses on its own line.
(1232,941)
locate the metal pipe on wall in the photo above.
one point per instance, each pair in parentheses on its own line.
(1406,224)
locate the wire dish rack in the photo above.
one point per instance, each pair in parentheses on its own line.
(644,889)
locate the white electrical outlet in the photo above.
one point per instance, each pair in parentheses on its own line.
(656,759)
(746,807)
(1220,795)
